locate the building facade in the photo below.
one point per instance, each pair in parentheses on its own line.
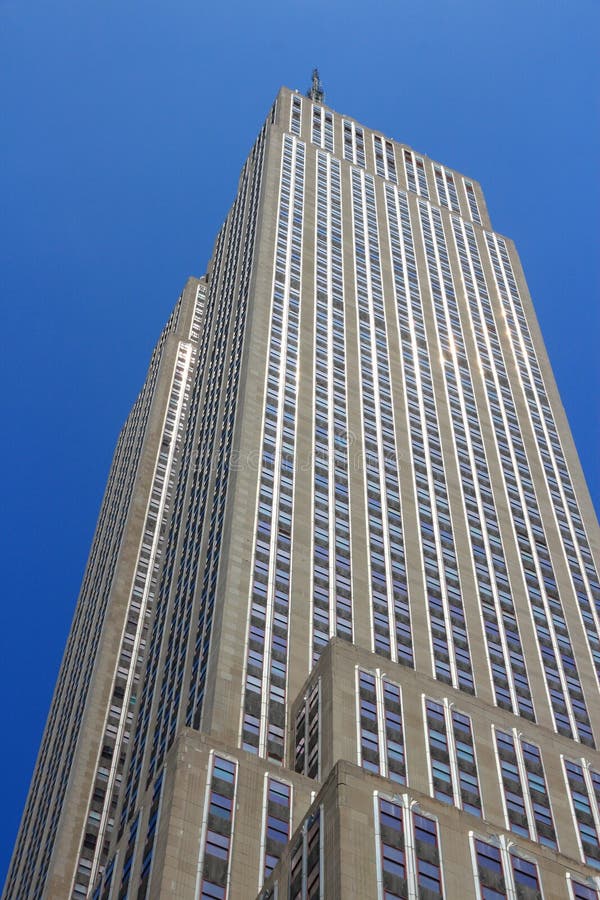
(339,633)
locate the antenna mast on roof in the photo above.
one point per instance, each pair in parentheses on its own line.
(316,92)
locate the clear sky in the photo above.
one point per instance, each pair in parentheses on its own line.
(123,129)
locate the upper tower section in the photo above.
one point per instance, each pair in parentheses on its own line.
(310,119)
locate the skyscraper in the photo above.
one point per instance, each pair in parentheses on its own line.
(338,635)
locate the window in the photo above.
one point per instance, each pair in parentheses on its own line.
(220,800)
(502,872)
(580,890)
(276,827)
(581,782)
(393,819)
(427,853)
(452,764)
(392,847)
(380,722)
(307,864)
(307,733)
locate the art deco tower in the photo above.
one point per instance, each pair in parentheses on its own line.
(338,636)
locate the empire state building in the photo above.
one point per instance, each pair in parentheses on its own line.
(338,635)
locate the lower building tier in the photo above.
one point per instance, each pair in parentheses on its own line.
(396,786)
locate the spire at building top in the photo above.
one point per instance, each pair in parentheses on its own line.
(316,92)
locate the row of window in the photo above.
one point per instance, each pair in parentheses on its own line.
(391,632)
(453,770)
(104,886)
(218,824)
(384,157)
(331,590)
(408,841)
(197,510)
(409,860)
(446,188)
(505,653)
(307,881)
(408,851)
(525,791)
(217,834)
(584,794)
(452,764)
(132,653)
(277,822)
(555,651)
(380,730)
(322,127)
(306,876)
(234,294)
(307,733)
(31,859)
(581,565)
(146,698)
(502,872)
(263,717)
(451,656)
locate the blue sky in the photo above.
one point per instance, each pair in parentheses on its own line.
(124,127)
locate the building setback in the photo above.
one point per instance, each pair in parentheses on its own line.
(338,635)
